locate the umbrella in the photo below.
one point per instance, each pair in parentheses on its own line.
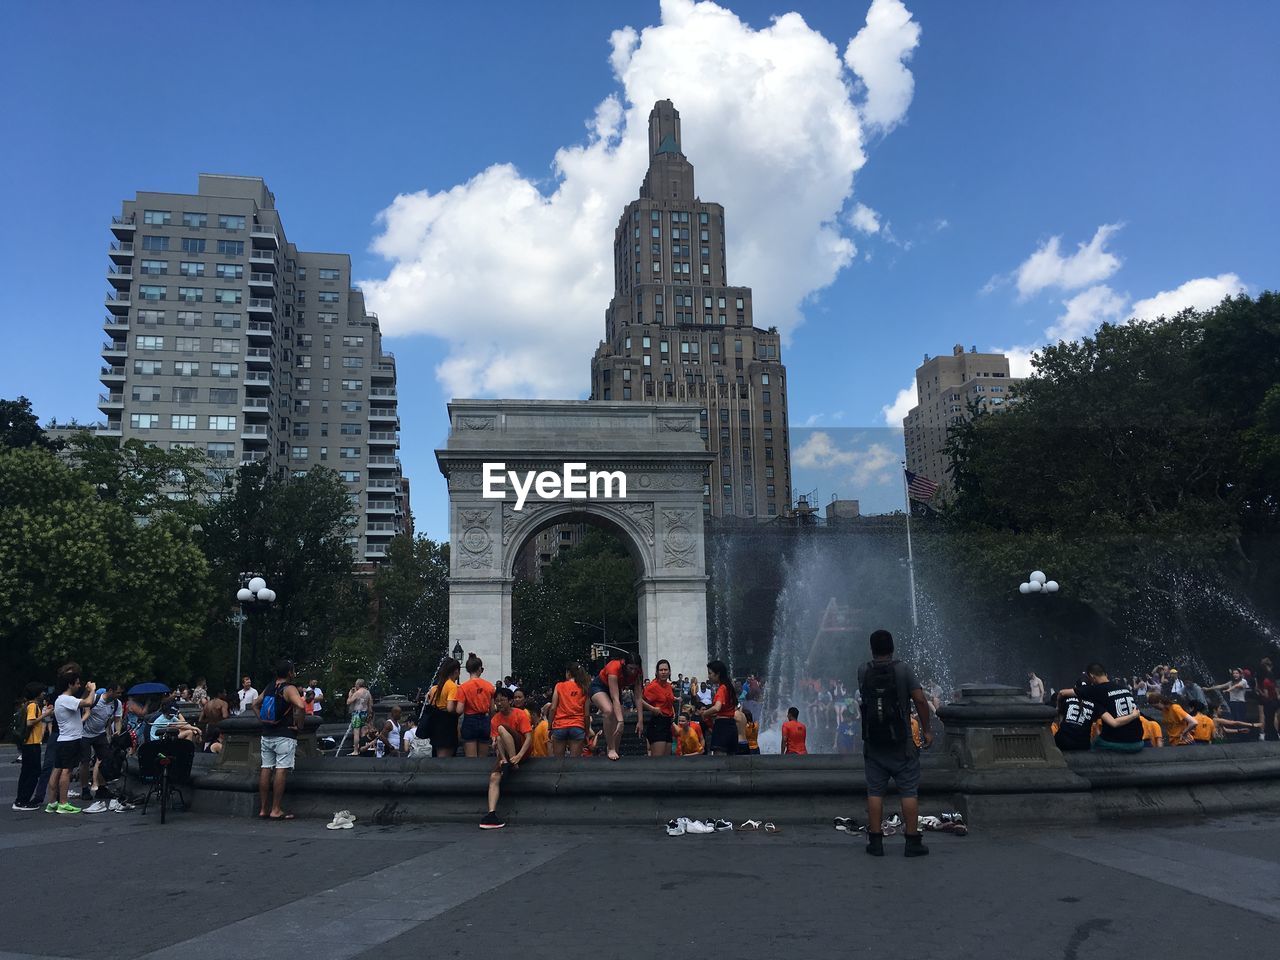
(145,689)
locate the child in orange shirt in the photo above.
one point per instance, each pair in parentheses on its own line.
(794,733)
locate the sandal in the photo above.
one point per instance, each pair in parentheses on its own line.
(283,816)
(749,825)
(770,828)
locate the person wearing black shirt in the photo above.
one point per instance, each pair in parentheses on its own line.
(1075,722)
(1116,706)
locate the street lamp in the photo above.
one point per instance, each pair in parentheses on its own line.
(254,592)
(457,651)
(1038,583)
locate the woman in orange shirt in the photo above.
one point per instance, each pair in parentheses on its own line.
(606,695)
(474,698)
(724,705)
(660,700)
(442,725)
(569,712)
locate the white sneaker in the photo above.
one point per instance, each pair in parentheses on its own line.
(73,793)
(340,821)
(98,806)
(842,823)
(115,806)
(346,815)
(895,822)
(699,826)
(930,823)
(675,828)
(722,826)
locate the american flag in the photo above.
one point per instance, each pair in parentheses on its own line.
(920,487)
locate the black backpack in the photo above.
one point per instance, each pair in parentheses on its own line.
(18,726)
(883,711)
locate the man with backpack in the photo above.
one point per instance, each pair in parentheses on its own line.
(887,688)
(281,710)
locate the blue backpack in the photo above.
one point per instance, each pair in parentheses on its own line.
(275,708)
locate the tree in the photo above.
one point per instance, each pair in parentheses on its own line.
(411,591)
(81,579)
(142,478)
(19,426)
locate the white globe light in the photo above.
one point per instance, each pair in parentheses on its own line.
(244,595)
(1024,588)
(1035,586)
(1038,577)
(266,596)
(1051,586)
(257,585)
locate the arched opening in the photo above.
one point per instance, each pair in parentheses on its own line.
(574,594)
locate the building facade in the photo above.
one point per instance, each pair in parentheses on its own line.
(946,387)
(224,336)
(677,331)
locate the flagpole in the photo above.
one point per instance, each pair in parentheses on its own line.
(911,563)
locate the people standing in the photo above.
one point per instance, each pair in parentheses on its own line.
(67,713)
(360,702)
(281,710)
(887,688)
(1235,691)
(35,711)
(214,711)
(720,714)
(512,740)
(101,723)
(248,695)
(441,710)
(474,698)
(794,733)
(1035,687)
(606,696)
(316,696)
(659,700)
(570,712)
(1270,698)
(753,733)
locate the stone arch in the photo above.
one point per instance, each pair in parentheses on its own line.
(629,529)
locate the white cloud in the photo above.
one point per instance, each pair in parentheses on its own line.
(878,55)
(894,412)
(877,464)
(819,452)
(517,281)
(1086,311)
(1019,359)
(1201,293)
(864,219)
(1047,267)
(815,419)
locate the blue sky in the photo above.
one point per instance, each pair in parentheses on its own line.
(1145,131)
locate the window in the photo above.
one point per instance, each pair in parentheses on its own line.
(327,296)
(155,243)
(765,395)
(351,406)
(226,296)
(349,453)
(224,369)
(154,268)
(764,379)
(187,344)
(353,362)
(230,248)
(350,476)
(352,384)
(647,360)
(229,271)
(189,318)
(191,294)
(152,317)
(327,317)
(328,273)
(229,320)
(768,416)
(147,367)
(738,303)
(229,222)
(186,368)
(182,421)
(302,429)
(737,346)
(148,292)
(302,273)
(300,453)
(190,219)
(148,343)
(157,217)
(715,348)
(189,268)
(221,395)
(302,384)
(224,345)
(221,451)
(351,429)
(144,421)
(304,362)
(663,347)
(353,341)
(222,423)
(145,394)
(768,453)
(192,245)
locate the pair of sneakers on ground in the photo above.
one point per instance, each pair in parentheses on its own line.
(342,820)
(682,825)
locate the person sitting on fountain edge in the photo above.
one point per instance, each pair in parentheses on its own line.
(512,739)
(887,688)
(1115,706)
(1075,720)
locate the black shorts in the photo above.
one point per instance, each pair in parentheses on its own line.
(724,737)
(658,729)
(68,754)
(98,746)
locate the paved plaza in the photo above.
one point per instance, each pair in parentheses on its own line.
(121,885)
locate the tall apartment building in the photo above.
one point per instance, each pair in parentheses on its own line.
(226,337)
(677,331)
(945,388)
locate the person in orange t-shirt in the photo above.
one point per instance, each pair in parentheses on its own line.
(690,742)
(474,699)
(1152,733)
(660,701)
(1207,727)
(723,740)
(1178,724)
(794,733)
(606,696)
(570,714)
(512,741)
(542,734)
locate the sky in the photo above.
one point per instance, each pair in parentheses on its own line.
(897,177)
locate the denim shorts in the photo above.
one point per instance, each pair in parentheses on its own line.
(569,733)
(901,764)
(278,753)
(596,687)
(475,727)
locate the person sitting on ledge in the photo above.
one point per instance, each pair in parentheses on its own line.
(512,740)
(689,741)
(1209,728)
(1116,707)
(1179,726)
(1074,723)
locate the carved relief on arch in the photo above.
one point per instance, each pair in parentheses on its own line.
(475,544)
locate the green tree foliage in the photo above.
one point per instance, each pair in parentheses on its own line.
(82,579)
(292,531)
(19,426)
(412,597)
(593,582)
(142,478)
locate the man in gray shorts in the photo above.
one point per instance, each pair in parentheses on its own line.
(887,688)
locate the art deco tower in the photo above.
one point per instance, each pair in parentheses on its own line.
(677,331)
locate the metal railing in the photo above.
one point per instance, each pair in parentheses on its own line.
(121,246)
(253,456)
(110,398)
(383,461)
(123,272)
(257,376)
(382,391)
(257,403)
(258,353)
(263,228)
(111,372)
(254,430)
(114,346)
(262,278)
(260,326)
(124,221)
(384,435)
(118,297)
(259,303)
(382,411)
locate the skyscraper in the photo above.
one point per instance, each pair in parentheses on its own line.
(677,331)
(224,336)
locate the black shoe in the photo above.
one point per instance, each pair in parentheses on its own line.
(491,822)
(875,844)
(915,846)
